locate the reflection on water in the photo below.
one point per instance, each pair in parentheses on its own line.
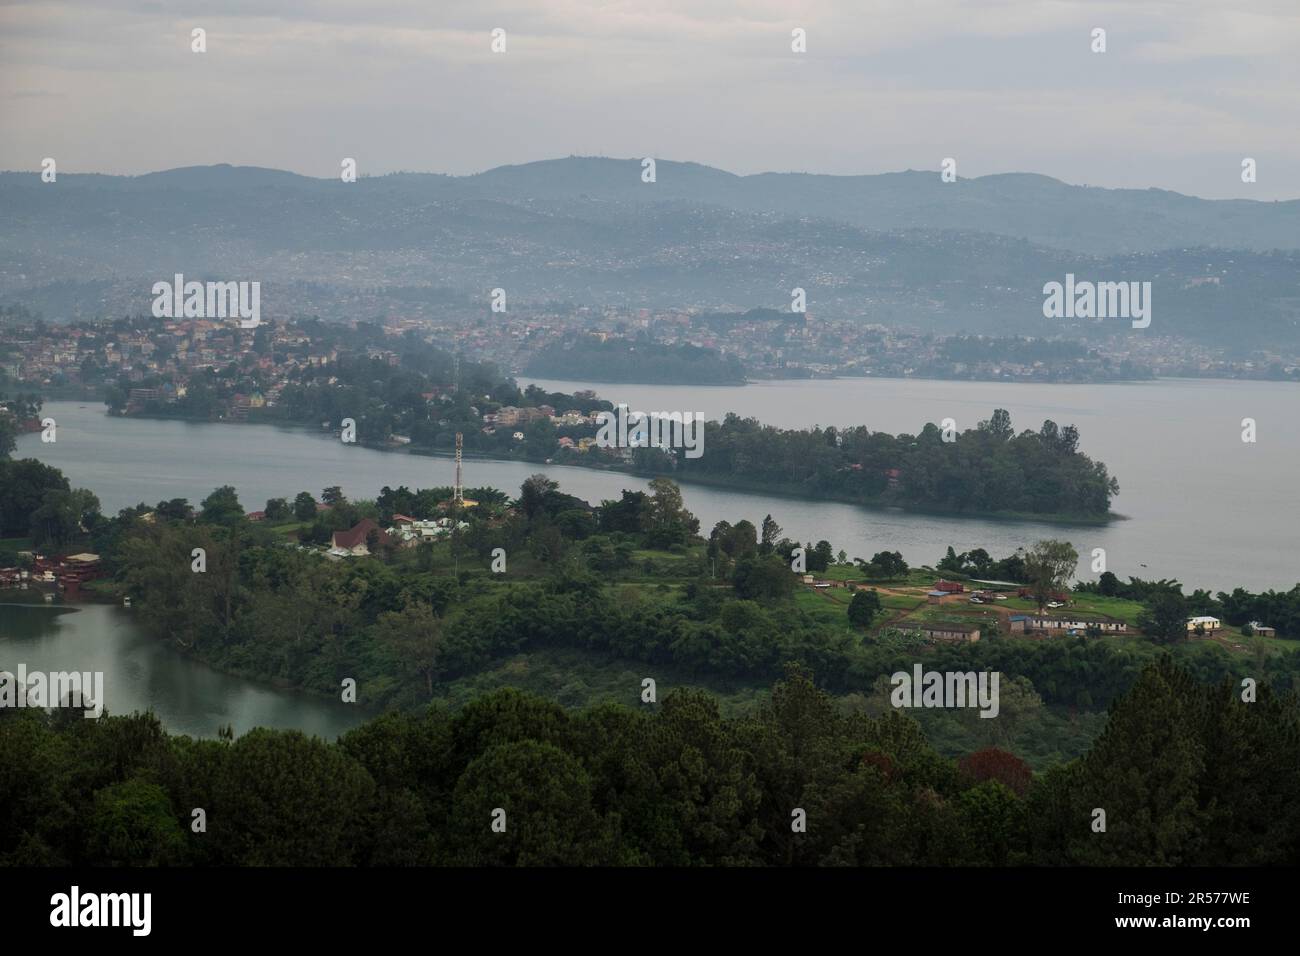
(141,673)
(1203,506)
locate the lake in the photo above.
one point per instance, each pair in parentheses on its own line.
(1202,505)
(142,673)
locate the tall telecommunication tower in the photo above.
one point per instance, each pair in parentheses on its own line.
(458,494)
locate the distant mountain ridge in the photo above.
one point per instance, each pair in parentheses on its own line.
(1029,206)
(902,249)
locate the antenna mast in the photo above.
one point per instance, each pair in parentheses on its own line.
(458,495)
(457,504)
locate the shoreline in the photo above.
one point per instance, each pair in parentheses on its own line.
(763,380)
(277,684)
(729,482)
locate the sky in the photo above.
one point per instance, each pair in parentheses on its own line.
(1184,92)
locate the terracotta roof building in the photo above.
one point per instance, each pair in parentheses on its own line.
(354,540)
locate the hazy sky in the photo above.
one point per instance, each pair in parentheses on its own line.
(1186,89)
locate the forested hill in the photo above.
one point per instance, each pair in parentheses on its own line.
(1018,205)
(677,786)
(987,469)
(902,250)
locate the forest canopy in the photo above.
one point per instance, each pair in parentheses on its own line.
(987,469)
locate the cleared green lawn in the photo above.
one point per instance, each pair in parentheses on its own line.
(1119,608)
(290,528)
(840,572)
(953,612)
(820,609)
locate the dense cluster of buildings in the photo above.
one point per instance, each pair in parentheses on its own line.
(90,356)
(769,344)
(52,574)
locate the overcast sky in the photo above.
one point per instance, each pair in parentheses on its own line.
(1186,89)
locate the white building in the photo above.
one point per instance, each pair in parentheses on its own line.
(1210,624)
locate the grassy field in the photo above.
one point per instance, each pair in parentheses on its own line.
(821,609)
(899,602)
(1119,608)
(964,613)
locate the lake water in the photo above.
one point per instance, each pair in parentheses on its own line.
(141,673)
(1203,506)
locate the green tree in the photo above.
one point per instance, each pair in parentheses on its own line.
(863,608)
(669,521)
(763,579)
(222,507)
(304,506)
(133,823)
(542,797)
(63,516)
(534,494)
(886,565)
(999,426)
(821,556)
(23,486)
(1049,565)
(1164,618)
(176,509)
(951,562)
(415,637)
(1144,770)
(285,799)
(8,435)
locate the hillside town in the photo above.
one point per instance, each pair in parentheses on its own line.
(157,359)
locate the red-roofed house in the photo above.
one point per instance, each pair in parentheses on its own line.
(354,539)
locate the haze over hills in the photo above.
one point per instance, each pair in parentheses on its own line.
(1039,208)
(899,248)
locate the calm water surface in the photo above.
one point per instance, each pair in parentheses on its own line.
(141,673)
(1202,506)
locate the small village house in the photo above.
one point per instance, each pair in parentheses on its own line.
(1076,622)
(354,540)
(949,631)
